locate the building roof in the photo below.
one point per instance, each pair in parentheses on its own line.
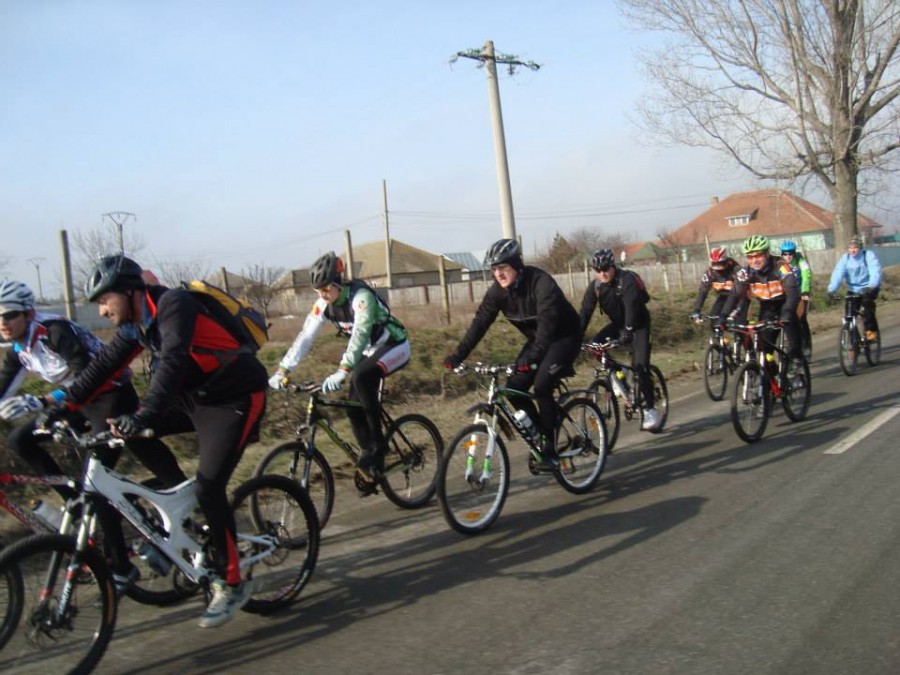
(470,260)
(770,212)
(369,260)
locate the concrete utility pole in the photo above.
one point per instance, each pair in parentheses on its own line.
(119,218)
(37,268)
(68,293)
(490,60)
(387,237)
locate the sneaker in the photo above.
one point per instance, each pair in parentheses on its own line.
(124,580)
(549,464)
(651,420)
(371,462)
(226,600)
(871,336)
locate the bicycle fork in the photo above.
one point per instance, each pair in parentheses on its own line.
(473,477)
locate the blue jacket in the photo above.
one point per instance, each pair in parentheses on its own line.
(860,271)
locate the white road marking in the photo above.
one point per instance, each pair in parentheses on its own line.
(862,432)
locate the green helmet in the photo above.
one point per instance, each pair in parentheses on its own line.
(756,243)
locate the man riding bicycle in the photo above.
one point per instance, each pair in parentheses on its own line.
(718,278)
(621,295)
(58,350)
(203,380)
(378,346)
(771,281)
(534,304)
(861,270)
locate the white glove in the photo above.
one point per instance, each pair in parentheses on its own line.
(18,406)
(278,380)
(333,382)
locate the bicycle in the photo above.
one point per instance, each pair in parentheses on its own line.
(722,358)
(414,448)
(473,480)
(64,604)
(756,384)
(852,336)
(616,382)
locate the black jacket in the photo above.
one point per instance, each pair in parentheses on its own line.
(535,305)
(191,354)
(622,300)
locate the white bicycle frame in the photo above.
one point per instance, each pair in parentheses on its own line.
(175,506)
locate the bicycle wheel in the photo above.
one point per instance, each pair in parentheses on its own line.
(11,592)
(606,401)
(715,372)
(751,402)
(153,587)
(848,349)
(275,507)
(581,444)
(660,398)
(873,350)
(43,639)
(472,488)
(414,448)
(310,469)
(796,389)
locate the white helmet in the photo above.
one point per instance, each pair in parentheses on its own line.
(14,295)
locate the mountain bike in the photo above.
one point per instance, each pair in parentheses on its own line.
(616,384)
(414,448)
(64,604)
(852,336)
(764,376)
(723,356)
(473,480)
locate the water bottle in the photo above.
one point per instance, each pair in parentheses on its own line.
(619,385)
(51,515)
(154,558)
(525,424)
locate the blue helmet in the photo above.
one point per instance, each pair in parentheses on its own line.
(788,247)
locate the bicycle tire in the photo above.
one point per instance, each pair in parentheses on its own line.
(276,506)
(152,588)
(412,461)
(661,398)
(873,350)
(848,349)
(293,460)
(11,592)
(470,507)
(605,399)
(751,402)
(581,442)
(74,643)
(796,387)
(715,372)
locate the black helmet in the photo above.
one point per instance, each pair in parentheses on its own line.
(113,273)
(326,270)
(603,259)
(504,252)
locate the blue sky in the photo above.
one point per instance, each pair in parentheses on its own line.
(242,133)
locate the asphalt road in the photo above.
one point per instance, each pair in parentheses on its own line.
(697,553)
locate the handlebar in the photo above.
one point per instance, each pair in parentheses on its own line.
(598,349)
(485,368)
(61,430)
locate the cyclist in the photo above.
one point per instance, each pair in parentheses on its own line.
(861,270)
(771,281)
(57,350)
(534,304)
(718,277)
(800,265)
(621,295)
(203,380)
(378,346)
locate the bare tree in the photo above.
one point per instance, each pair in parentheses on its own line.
(265,283)
(91,245)
(787,89)
(4,261)
(172,273)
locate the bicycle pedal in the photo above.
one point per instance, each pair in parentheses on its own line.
(366,485)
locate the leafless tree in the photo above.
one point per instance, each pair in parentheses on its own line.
(787,89)
(4,261)
(89,246)
(265,283)
(172,273)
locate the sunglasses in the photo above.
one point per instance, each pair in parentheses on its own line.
(12,315)
(603,269)
(754,256)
